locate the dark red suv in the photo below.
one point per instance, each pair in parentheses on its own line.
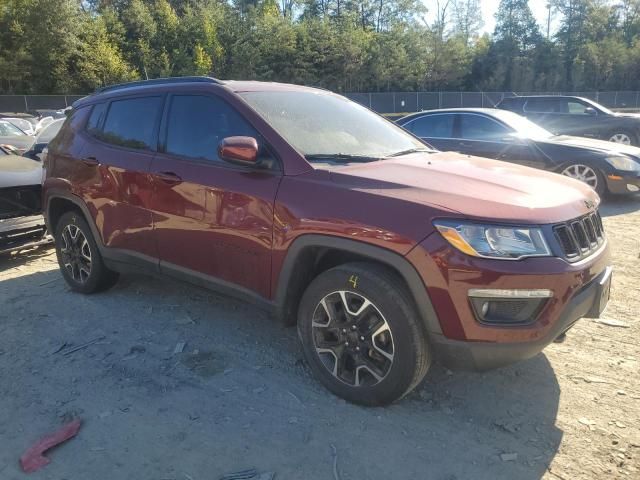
(386,254)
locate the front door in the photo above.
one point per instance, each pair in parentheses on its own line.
(485,137)
(212,219)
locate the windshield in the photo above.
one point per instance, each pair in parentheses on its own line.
(523,126)
(9,130)
(320,125)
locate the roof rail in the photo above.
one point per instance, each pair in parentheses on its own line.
(158,81)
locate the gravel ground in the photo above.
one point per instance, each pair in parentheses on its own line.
(239,396)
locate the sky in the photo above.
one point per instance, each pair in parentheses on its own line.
(490,7)
(538,7)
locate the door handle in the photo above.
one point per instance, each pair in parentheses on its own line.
(169,177)
(91,161)
(464,144)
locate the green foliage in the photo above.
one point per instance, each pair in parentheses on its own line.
(75,46)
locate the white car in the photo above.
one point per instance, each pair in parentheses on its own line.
(23,124)
(21,222)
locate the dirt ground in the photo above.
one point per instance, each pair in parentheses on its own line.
(239,396)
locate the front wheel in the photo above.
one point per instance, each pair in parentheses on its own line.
(361,334)
(622,136)
(78,256)
(587,174)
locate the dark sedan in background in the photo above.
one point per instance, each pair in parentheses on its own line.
(576,116)
(607,167)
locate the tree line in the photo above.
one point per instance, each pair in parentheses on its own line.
(75,46)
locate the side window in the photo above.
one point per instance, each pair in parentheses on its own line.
(95,119)
(196,124)
(543,105)
(433,126)
(476,127)
(576,108)
(131,123)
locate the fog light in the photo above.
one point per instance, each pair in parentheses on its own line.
(632,188)
(508,307)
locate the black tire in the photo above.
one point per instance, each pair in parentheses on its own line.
(409,345)
(99,277)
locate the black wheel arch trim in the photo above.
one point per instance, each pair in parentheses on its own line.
(400,264)
(53,194)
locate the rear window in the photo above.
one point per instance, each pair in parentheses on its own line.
(432,126)
(131,123)
(96,117)
(544,105)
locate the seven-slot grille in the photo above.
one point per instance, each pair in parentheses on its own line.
(580,237)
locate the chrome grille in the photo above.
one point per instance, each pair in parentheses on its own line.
(580,237)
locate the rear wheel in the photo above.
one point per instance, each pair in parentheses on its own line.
(361,334)
(79,258)
(587,174)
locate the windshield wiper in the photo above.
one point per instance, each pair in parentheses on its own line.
(341,156)
(408,151)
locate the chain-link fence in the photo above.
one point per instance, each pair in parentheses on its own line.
(33,103)
(405,102)
(382,102)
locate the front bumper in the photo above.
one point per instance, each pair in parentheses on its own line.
(23,232)
(465,341)
(486,355)
(623,183)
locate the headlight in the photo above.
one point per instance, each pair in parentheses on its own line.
(625,164)
(494,241)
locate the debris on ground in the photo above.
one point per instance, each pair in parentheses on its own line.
(508,457)
(334,452)
(179,348)
(33,459)
(81,347)
(134,352)
(251,473)
(611,322)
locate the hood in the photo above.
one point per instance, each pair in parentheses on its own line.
(18,171)
(475,188)
(601,146)
(22,142)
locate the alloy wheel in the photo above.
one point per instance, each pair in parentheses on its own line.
(76,253)
(584,173)
(620,138)
(352,338)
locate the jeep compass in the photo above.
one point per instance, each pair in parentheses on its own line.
(387,255)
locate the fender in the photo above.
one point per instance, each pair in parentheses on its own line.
(378,254)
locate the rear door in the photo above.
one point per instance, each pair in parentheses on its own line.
(112,176)
(212,219)
(435,128)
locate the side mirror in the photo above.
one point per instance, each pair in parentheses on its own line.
(239,150)
(590,111)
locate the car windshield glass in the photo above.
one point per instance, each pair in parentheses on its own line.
(523,126)
(9,130)
(323,126)
(597,106)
